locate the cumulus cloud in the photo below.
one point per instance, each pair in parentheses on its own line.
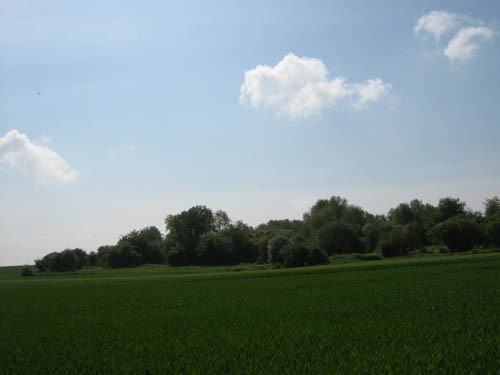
(465,43)
(300,87)
(436,23)
(17,151)
(467,39)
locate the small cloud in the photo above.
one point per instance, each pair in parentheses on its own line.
(300,87)
(436,23)
(371,91)
(17,151)
(465,43)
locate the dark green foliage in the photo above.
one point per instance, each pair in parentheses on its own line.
(402,214)
(176,257)
(372,231)
(294,252)
(27,271)
(66,260)
(459,233)
(338,237)
(330,227)
(92,259)
(187,228)
(243,241)
(450,207)
(221,220)
(394,242)
(69,260)
(492,207)
(146,243)
(317,256)
(103,253)
(40,265)
(216,248)
(274,247)
(135,248)
(491,230)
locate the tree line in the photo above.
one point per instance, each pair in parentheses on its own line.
(200,236)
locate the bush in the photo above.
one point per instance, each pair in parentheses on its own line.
(176,257)
(492,231)
(369,257)
(27,271)
(274,247)
(40,265)
(317,256)
(294,254)
(443,250)
(216,248)
(337,237)
(458,233)
(394,242)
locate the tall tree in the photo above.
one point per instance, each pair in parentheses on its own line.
(186,229)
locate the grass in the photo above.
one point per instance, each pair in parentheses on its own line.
(434,314)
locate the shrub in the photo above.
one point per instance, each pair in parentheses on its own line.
(317,256)
(294,254)
(369,257)
(176,257)
(27,271)
(443,250)
(492,231)
(394,242)
(458,233)
(338,237)
(216,248)
(274,247)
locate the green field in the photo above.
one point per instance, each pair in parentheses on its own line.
(404,316)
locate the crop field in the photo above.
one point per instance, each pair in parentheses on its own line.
(415,316)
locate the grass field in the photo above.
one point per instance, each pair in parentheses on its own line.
(404,316)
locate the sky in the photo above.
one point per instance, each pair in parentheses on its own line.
(114,114)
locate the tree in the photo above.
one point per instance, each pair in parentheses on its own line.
(82,258)
(187,228)
(146,243)
(492,206)
(295,254)
(221,220)
(27,271)
(103,253)
(176,257)
(394,242)
(274,247)
(216,248)
(459,233)
(402,214)
(40,265)
(450,207)
(92,259)
(244,242)
(491,229)
(338,237)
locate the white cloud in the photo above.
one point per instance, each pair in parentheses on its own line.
(300,87)
(465,43)
(436,23)
(371,91)
(17,151)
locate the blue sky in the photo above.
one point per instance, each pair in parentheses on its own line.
(114,114)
